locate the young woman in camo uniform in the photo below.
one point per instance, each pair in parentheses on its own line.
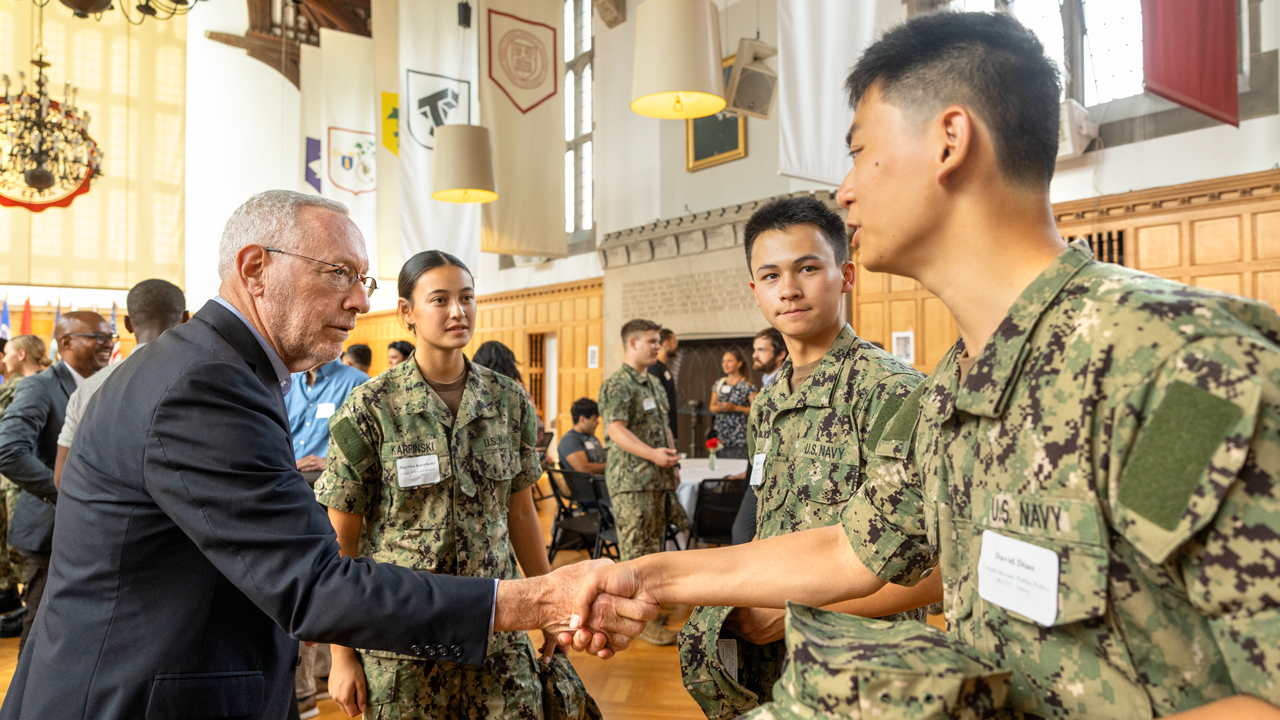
(430,466)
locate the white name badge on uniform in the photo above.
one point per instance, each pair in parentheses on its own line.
(757,468)
(1019,576)
(415,471)
(325,410)
(650,404)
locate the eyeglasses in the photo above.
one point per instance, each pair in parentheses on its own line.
(100,338)
(342,277)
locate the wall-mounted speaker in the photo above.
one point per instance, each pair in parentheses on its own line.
(753,85)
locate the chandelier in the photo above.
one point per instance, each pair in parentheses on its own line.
(158,9)
(47,157)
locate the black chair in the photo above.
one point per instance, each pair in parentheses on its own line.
(718,503)
(582,521)
(542,448)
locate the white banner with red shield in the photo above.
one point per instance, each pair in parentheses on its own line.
(521,91)
(438,87)
(350,116)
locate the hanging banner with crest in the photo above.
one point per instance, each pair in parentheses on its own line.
(438,75)
(349,114)
(521,90)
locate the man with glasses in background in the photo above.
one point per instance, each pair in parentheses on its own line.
(29,444)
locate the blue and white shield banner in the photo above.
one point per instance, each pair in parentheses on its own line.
(350,115)
(311,85)
(438,71)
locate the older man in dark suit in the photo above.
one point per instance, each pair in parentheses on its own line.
(29,444)
(190,555)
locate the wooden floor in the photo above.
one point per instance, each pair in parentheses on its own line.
(642,683)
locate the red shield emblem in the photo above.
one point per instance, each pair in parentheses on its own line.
(523,59)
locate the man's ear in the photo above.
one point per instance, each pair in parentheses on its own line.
(954,130)
(128,324)
(251,265)
(186,315)
(850,272)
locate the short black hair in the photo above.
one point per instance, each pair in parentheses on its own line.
(987,62)
(156,304)
(666,334)
(584,407)
(361,354)
(498,358)
(775,339)
(791,210)
(639,325)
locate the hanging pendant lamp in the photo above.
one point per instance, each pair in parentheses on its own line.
(677,70)
(462,165)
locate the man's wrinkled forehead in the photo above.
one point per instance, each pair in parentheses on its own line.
(333,237)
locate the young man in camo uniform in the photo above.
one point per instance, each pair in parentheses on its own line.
(640,470)
(810,437)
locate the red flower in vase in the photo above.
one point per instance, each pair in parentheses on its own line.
(713,444)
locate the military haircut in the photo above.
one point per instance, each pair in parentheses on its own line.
(986,62)
(584,407)
(791,210)
(156,304)
(360,354)
(637,327)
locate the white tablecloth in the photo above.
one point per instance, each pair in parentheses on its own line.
(694,471)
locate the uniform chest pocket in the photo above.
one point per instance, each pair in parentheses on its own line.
(1025,526)
(813,472)
(495,459)
(418,483)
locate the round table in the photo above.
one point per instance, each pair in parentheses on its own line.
(695,470)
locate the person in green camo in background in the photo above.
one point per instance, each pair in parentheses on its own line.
(24,355)
(1092,468)
(430,466)
(811,437)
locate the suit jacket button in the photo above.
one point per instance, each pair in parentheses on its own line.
(457,650)
(431,651)
(297,661)
(416,650)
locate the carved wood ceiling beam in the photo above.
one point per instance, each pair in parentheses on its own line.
(279,54)
(339,16)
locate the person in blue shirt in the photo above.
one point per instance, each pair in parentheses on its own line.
(317,393)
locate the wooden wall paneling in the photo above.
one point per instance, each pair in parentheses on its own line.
(1221,234)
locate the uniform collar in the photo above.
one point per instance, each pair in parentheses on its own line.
(640,377)
(986,388)
(814,394)
(422,399)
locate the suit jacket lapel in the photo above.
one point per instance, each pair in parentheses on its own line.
(63,373)
(238,335)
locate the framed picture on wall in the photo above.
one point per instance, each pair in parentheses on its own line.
(904,346)
(715,139)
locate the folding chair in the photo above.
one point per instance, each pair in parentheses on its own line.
(580,517)
(718,503)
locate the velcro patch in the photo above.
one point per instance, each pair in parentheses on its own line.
(354,447)
(1173,451)
(892,405)
(897,433)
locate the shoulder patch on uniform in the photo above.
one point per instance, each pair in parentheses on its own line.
(888,411)
(1173,451)
(899,426)
(347,437)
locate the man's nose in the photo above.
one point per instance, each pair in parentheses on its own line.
(844,196)
(357,299)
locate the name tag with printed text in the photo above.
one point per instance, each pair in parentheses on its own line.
(757,468)
(650,404)
(1019,576)
(417,471)
(325,410)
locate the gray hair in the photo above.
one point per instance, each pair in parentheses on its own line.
(269,218)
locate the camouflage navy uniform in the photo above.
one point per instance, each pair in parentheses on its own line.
(641,493)
(1129,425)
(11,562)
(814,449)
(380,440)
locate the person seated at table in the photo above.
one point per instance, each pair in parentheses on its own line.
(579,449)
(810,434)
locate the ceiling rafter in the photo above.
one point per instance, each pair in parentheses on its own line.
(270,44)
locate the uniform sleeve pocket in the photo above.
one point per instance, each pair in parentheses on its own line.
(213,695)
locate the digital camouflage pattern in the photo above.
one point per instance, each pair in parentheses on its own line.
(498,690)
(642,494)
(10,561)
(622,398)
(841,666)
(457,526)
(1132,425)
(816,442)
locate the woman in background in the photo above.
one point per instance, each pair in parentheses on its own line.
(398,352)
(730,401)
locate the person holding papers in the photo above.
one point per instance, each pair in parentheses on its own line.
(430,467)
(810,437)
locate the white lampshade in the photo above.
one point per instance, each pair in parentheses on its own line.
(462,165)
(677,70)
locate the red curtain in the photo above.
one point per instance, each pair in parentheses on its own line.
(1189,53)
